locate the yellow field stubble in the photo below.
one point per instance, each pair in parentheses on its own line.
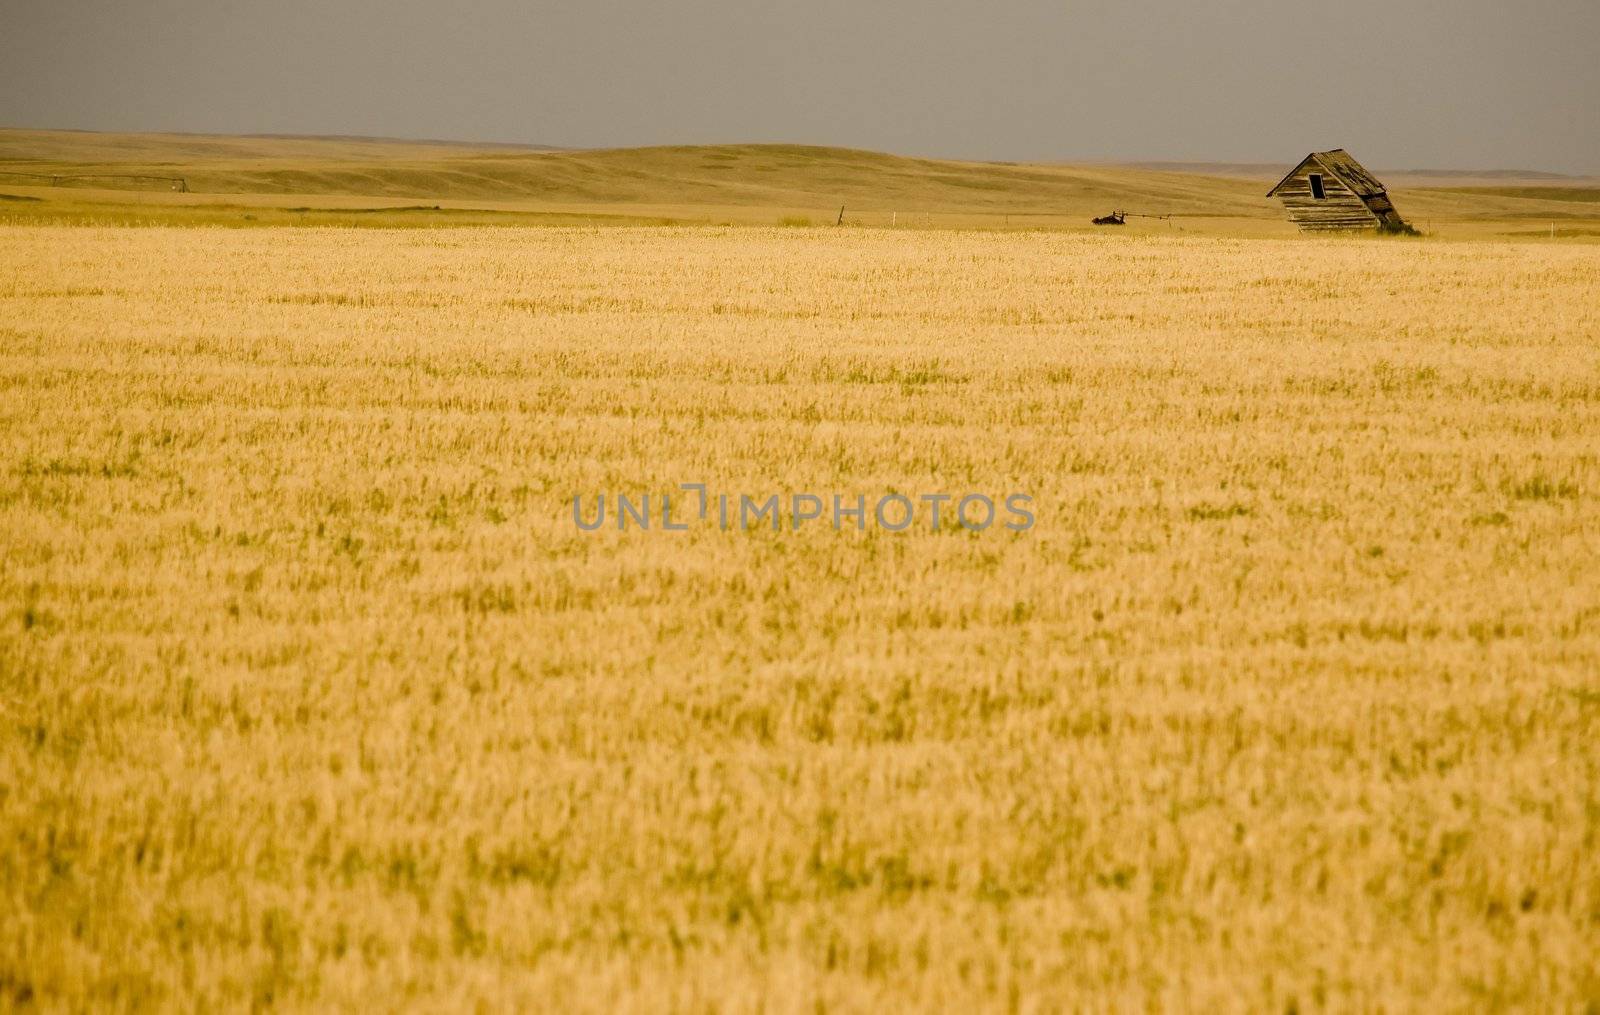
(311,691)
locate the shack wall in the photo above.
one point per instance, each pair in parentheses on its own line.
(1339,208)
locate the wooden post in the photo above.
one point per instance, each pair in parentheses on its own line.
(841,216)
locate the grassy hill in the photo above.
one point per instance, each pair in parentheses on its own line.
(274,179)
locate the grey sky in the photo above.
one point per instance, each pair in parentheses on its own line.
(1403,83)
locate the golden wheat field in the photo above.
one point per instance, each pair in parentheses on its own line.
(314,693)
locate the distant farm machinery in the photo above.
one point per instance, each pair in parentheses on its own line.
(1120,218)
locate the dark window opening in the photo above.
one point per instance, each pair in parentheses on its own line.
(1316,187)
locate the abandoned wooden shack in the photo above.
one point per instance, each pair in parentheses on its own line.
(1331,190)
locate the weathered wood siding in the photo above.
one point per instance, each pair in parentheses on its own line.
(1339,209)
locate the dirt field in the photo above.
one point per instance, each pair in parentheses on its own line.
(313,691)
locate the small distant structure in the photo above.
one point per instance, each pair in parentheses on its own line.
(1332,191)
(1116,218)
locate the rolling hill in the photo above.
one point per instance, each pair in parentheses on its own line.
(291,178)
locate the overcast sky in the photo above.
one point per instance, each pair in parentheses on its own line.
(1402,83)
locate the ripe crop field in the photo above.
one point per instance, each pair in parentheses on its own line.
(312,690)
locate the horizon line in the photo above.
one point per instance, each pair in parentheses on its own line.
(1191,164)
